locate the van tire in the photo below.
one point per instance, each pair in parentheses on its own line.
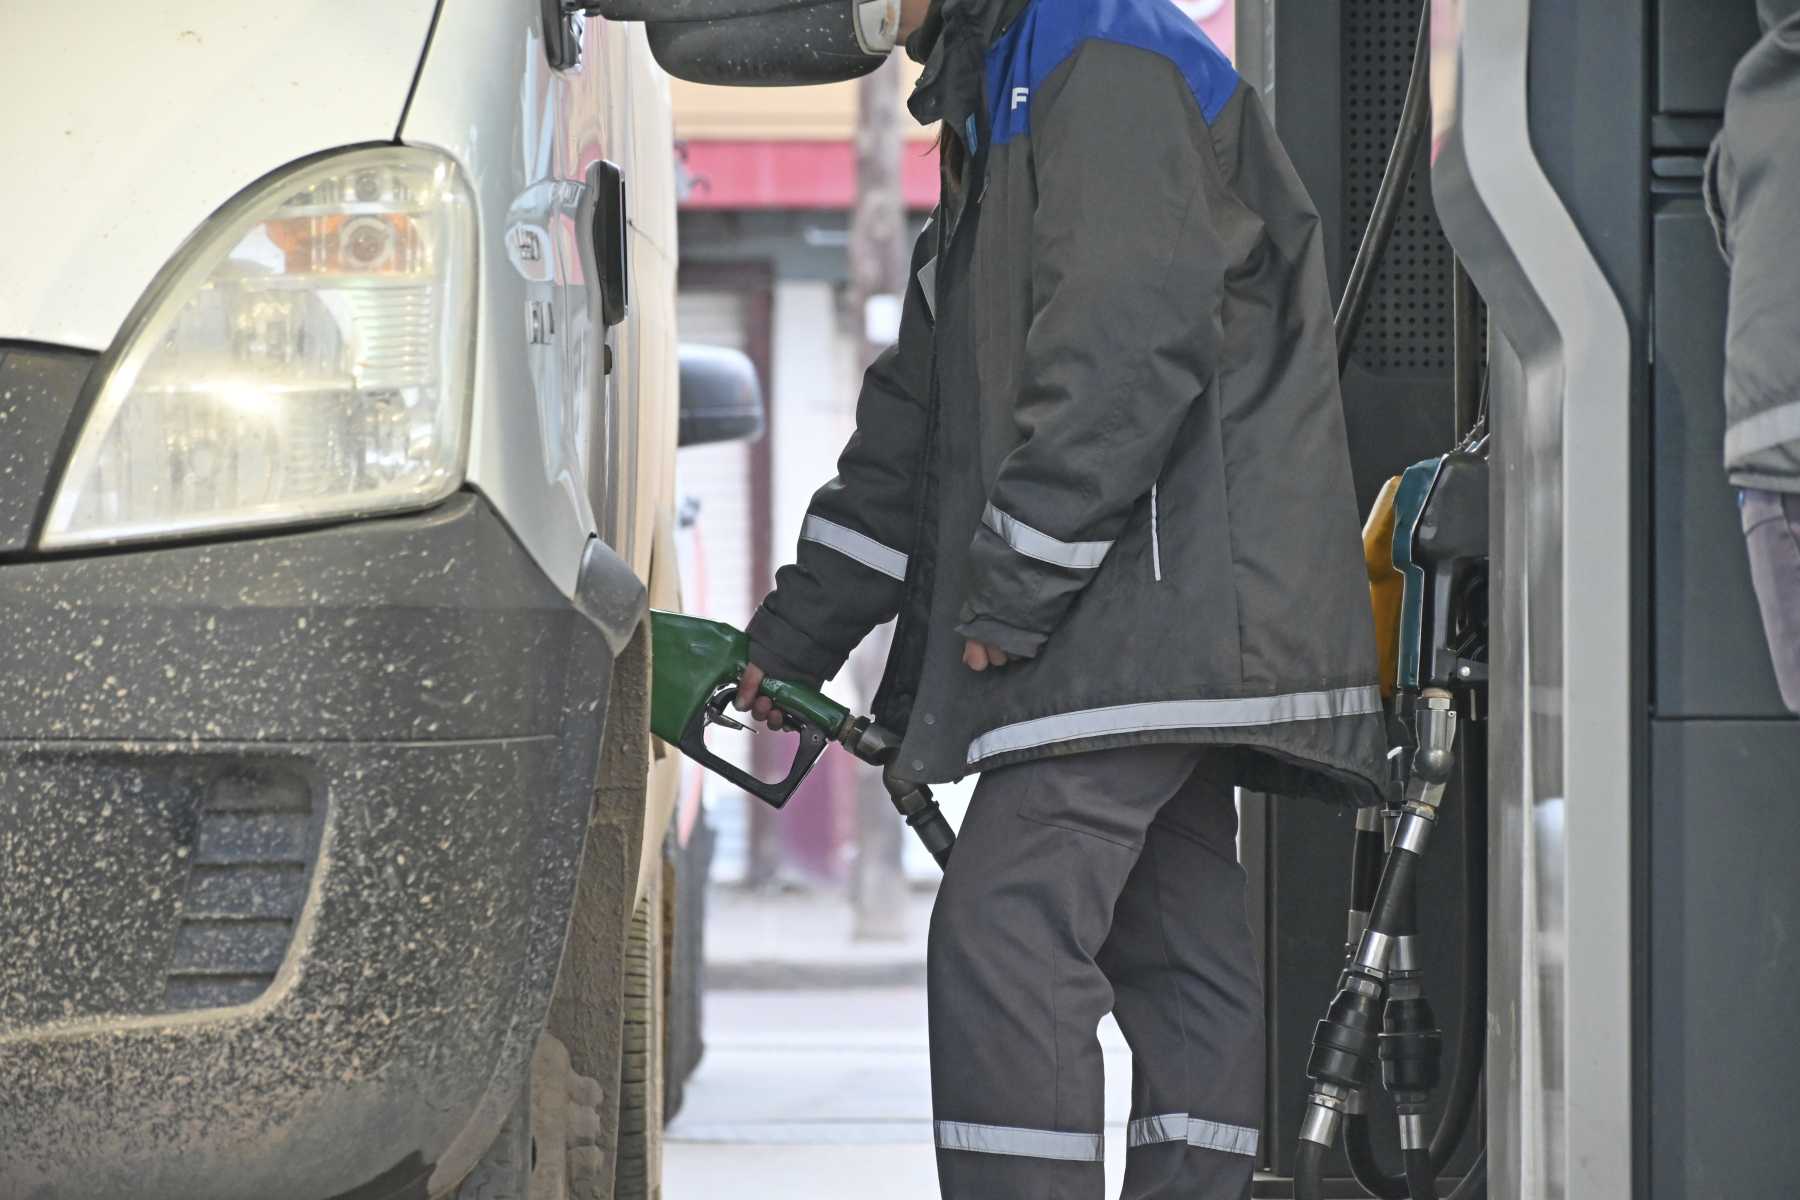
(550,1146)
(587,1010)
(638,1175)
(586,1138)
(504,1172)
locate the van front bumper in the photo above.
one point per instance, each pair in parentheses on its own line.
(289,834)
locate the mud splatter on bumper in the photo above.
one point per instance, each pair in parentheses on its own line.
(289,830)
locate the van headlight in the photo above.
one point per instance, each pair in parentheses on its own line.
(307,356)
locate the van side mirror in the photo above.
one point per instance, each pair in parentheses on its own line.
(721,400)
(750,43)
(680,10)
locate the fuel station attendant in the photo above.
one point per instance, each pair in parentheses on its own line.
(1103,482)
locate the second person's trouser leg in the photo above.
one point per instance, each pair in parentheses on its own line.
(1188,997)
(1772,532)
(1016,987)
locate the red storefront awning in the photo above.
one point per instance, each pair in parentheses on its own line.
(800,175)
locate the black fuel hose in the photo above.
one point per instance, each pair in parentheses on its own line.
(1392,910)
(1474,1184)
(1365,871)
(1309,1169)
(1365,1167)
(1421,1176)
(1347,1032)
(1359,1147)
(1415,117)
(1471,1035)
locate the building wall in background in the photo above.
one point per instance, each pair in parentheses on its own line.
(810,114)
(791,148)
(828,113)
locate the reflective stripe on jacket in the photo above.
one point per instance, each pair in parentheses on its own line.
(1110,440)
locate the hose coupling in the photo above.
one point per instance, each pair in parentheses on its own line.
(1344,1042)
(1416,824)
(1325,1109)
(1435,759)
(1404,961)
(1373,953)
(874,744)
(1413,1134)
(1411,1048)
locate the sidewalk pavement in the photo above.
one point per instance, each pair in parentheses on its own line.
(816,1083)
(803,939)
(825,1094)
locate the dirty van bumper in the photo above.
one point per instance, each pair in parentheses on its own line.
(289,830)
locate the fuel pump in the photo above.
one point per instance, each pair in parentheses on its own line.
(1434,521)
(1426,545)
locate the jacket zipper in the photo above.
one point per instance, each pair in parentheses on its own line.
(1155,537)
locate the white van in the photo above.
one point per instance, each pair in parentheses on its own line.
(338,409)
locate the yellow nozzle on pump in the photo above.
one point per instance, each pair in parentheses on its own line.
(1386,585)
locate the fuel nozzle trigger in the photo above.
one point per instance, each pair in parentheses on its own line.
(812,743)
(716,714)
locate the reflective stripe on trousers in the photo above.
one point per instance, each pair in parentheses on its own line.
(1207,1135)
(1025,1143)
(1089,1147)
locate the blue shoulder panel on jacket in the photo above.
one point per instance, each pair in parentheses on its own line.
(1048,32)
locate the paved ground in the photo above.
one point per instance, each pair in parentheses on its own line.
(824,1093)
(805,940)
(816,1082)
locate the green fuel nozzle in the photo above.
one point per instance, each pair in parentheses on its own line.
(697,666)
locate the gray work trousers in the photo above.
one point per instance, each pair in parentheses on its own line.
(1097,882)
(1772,534)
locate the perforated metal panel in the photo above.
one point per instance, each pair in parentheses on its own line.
(1408,327)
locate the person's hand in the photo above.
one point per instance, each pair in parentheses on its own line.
(979,656)
(760,708)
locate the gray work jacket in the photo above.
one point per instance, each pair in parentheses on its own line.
(1110,440)
(1753,194)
